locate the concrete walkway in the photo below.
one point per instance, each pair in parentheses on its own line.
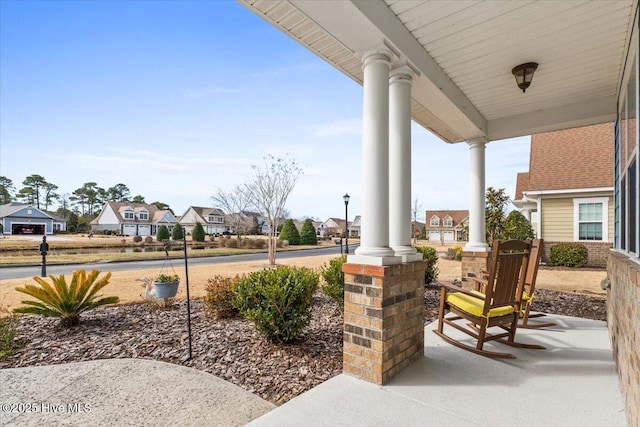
(572,383)
(123,392)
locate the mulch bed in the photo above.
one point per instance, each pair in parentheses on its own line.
(230,349)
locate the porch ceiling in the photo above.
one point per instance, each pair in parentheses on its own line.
(465,50)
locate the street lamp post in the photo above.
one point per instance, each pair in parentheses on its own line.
(346,198)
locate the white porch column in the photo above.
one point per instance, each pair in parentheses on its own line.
(477,236)
(400,164)
(374,241)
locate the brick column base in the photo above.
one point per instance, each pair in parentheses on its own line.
(383,319)
(472,264)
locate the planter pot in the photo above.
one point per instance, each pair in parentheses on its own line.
(166,289)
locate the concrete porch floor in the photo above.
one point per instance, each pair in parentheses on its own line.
(571,383)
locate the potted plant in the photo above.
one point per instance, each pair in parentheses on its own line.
(166,285)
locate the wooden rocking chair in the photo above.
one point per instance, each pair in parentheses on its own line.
(529,288)
(499,305)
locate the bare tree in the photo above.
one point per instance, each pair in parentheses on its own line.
(234,202)
(268,189)
(415,210)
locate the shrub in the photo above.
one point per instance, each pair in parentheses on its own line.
(334,280)
(249,243)
(279,243)
(516,226)
(219,293)
(148,239)
(290,232)
(177,233)
(569,255)
(162,235)
(455,253)
(430,256)
(277,301)
(66,301)
(308,233)
(197,234)
(7,335)
(231,243)
(261,243)
(137,239)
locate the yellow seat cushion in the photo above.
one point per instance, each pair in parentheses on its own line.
(474,305)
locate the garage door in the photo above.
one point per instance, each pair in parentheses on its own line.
(27,229)
(448,236)
(144,230)
(434,235)
(129,230)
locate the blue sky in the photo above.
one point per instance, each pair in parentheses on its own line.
(177,98)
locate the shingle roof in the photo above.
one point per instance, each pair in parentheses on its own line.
(572,158)
(207,211)
(10,208)
(522,184)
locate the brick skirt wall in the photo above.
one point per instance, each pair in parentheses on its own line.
(623,318)
(598,252)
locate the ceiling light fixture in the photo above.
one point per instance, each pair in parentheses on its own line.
(524,74)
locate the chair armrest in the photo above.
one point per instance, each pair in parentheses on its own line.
(455,288)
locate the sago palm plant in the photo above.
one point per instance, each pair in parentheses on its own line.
(66,301)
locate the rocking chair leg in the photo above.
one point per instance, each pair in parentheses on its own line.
(485,353)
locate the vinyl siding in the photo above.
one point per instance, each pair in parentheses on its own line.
(558,221)
(108,217)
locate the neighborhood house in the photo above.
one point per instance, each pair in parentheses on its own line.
(568,192)
(20,218)
(447,225)
(132,219)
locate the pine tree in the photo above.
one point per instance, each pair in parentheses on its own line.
(177,233)
(290,232)
(308,233)
(197,235)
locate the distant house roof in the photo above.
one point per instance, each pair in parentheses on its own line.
(13,207)
(56,218)
(457,216)
(119,208)
(208,211)
(334,223)
(569,159)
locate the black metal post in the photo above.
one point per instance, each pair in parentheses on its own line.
(44,248)
(346,223)
(186,272)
